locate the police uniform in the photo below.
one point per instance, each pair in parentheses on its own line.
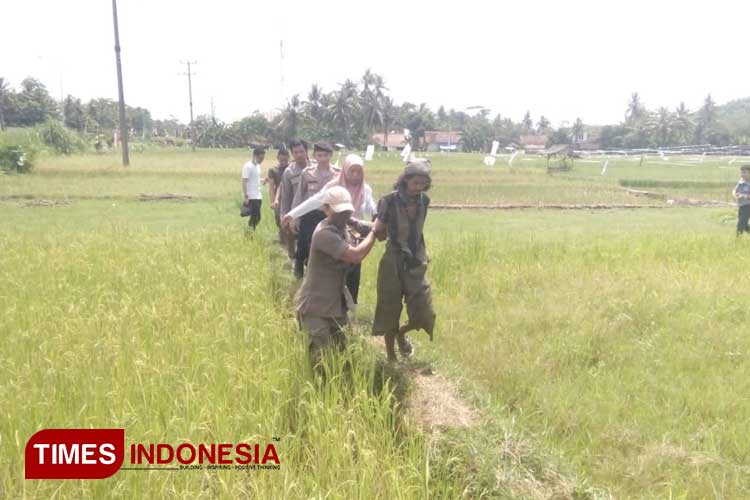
(288,188)
(312,179)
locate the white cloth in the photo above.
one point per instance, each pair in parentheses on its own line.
(365,212)
(251,176)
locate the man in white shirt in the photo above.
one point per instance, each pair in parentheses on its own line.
(251,186)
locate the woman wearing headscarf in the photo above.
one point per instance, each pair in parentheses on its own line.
(401,274)
(352,178)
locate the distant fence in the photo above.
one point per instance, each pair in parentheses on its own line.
(699,149)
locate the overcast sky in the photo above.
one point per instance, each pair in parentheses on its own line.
(561,59)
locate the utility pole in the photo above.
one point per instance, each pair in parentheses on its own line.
(190,96)
(282,90)
(124,131)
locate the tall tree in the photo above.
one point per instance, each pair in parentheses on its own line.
(706,120)
(635,109)
(290,118)
(542,125)
(343,108)
(372,101)
(683,124)
(73,114)
(527,123)
(314,103)
(663,127)
(34,103)
(4,91)
(418,121)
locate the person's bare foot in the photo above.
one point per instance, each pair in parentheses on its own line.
(405,346)
(390,348)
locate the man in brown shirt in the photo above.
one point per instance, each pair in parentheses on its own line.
(311,181)
(323,299)
(274,184)
(287,190)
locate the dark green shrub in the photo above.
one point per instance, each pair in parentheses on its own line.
(54,135)
(14,158)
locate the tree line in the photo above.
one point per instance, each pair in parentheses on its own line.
(351,113)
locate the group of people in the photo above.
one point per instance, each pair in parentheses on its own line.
(329,222)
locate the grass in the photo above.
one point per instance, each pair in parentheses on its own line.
(184,334)
(617,338)
(605,349)
(459,178)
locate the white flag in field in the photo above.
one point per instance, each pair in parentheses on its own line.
(406,153)
(510,160)
(489,161)
(370,152)
(495,146)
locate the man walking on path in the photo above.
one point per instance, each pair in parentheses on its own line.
(274,183)
(287,190)
(312,180)
(251,186)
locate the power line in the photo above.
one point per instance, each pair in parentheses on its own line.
(281,72)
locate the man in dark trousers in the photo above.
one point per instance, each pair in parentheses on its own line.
(251,186)
(311,181)
(274,184)
(287,190)
(741,193)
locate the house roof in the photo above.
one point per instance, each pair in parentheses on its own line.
(394,140)
(533,140)
(442,136)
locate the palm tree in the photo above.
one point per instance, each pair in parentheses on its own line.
(706,120)
(543,125)
(3,98)
(372,96)
(635,109)
(683,125)
(343,107)
(708,112)
(314,103)
(527,124)
(663,126)
(290,119)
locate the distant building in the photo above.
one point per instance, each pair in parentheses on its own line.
(396,141)
(533,143)
(589,140)
(443,140)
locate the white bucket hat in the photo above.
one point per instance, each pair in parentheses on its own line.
(338,198)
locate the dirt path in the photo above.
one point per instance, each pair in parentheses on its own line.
(433,402)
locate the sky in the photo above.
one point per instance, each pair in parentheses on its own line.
(561,59)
